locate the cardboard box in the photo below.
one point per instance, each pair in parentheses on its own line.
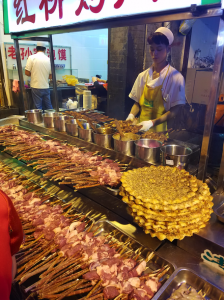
(198,85)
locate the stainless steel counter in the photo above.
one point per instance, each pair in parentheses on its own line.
(106,206)
(211,237)
(180,258)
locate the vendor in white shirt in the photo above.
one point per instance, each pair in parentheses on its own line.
(38,67)
(160,90)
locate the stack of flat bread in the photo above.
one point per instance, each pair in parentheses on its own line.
(167,202)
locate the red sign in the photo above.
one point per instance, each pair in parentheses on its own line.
(44,4)
(19,12)
(26,52)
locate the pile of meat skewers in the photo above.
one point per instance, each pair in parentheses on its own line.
(63,162)
(70,254)
(93,116)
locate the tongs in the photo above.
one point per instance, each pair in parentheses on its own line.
(119,129)
(91,124)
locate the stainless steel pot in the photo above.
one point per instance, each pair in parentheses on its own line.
(103,140)
(49,119)
(34,116)
(175,155)
(104,130)
(85,134)
(59,122)
(72,127)
(125,147)
(49,110)
(148,150)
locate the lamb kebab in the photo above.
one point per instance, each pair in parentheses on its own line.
(94,116)
(64,162)
(76,252)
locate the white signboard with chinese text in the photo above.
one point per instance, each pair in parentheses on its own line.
(62,57)
(27,15)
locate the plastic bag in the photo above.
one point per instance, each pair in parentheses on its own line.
(70,79)
(186,26)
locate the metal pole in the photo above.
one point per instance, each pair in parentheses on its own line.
(220,182)
(213,99)
(55,94)
(21,80)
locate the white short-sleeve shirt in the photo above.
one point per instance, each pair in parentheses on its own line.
(173,89)
(40,68)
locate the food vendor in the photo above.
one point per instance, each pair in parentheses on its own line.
(159,91)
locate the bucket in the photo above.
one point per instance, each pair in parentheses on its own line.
(103,140)
(59,122)
(148,150)
(34,116)
(175,156)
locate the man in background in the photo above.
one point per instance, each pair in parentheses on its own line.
(38,67)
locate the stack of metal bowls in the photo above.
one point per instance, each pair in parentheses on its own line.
(34,116)
(148,150)
(86,133)
(127,146)
(48,118)
(176,156)
(59,122)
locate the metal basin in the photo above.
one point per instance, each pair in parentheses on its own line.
(175,155)
(72,127)
(34,116)
(59,122)
(85,134)
(183,275)
(49,119)
(104,130)
(125,147)
(148,150)
(103,140)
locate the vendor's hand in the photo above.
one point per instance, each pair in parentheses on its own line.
(146,125)
(130,117)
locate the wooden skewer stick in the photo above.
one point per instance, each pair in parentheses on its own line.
(94,288)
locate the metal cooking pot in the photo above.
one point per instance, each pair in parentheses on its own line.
(103,140)
(104,130)
(148,150)
(49,119)
(49,110)
(175,156)
(85,134)
(59,122)
(34,116)
(125,147)
(72,127)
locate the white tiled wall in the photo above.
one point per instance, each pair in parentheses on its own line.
(89,51)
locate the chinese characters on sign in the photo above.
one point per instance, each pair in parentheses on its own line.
(25,53)
(44,4)
(62,55)
(49,7)
(28,15)
(96,9)
(19,12)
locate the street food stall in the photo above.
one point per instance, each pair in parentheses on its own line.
(96,216)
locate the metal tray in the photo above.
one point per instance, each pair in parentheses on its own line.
(182,275)
(155,263)
(219,211)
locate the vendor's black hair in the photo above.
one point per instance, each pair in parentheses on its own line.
(158,38)
(40,48)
